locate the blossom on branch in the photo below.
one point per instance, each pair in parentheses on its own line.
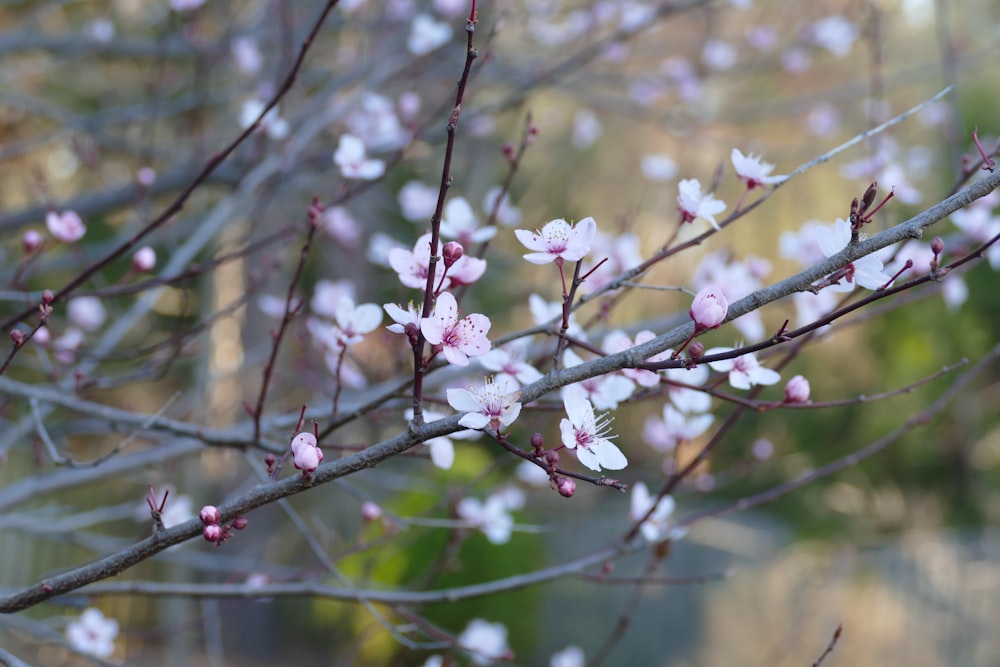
(588,434)
(656,528)
(744,371)
(493,406)
(352,158)
(558,240)
(709,308)
(865,271)
(752,171)
(459,339)
(486,642)
(67,226)
(693,204)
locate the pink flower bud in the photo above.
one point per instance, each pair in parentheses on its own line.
(566,487)
(144,259)
(209,515)
(30,240)
(47,297)
(240,522)
(370,511)
(709,308)
(303,439)
(937,245)
(452,252)
(212,533)
(315,211)
(17,336)
(797,390)
(696,350)
(307,457)
(537,442)
(552,457)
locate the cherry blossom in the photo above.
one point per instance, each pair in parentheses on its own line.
(246,54)
(402,318)
(709,308)
(306,454)
(459,339)
(412,266)
(338,223)
(353,322)
(587,433)
(605,392)
(352,158)
(486,642)
(508,362)
(466,270)
(744,371)
(659,167)
(507,215)
(736,279)
(665,433)
(327,295)
(835,34)
(693,204)
(657,527)
(272,123)
(492,517)
(571,656)
(442,449)
(67,226)
(865,271)
(459,223)
(752,171)
(426,35)
(618,341)
(558,240)
(685,399)
(546,312)
(86,312)
(417,201)
(494,405)
(92,633)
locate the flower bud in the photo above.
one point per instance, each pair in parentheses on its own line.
(552,458)
(452,252)
(370,512)
(30,240)
(209,515)
(797,390)
(240,522)
(17,336)
(537,442)
(212,533)
(696,350)
(315,211)
(937,245)
(303,439)
(307,457)
(144,259)
(709,308)
(566,487)
(47,297)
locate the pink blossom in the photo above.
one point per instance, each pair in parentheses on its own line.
(92,633)
(273,124)
(66,226)
(459,339)
(30,240)
(752,171)
(744,371)
(486,642)
(588,434)
(86,312)
(492,517)
(459,222)
(605,392)
(508,362)
(353,322)
(693,204)
(412,266)
(656,528)
(466,270)
(417,201)
(402,318)
(426,35)
(865,271)
(674,427)
(797,390)
(558,240)
(709,308)
(352,158)
(493,406)
(507,214)
(618,341)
